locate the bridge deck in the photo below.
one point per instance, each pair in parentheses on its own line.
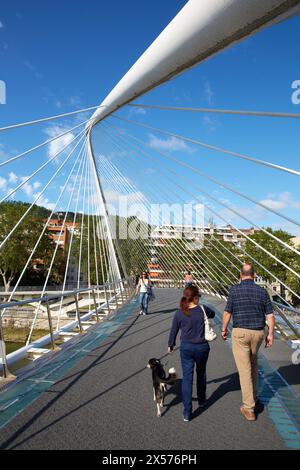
(105,400)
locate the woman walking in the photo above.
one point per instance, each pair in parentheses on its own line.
(144,286)
(194,348)
(188,279)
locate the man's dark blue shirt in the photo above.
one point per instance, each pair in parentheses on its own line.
(249,304)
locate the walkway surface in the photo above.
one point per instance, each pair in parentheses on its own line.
(104,399)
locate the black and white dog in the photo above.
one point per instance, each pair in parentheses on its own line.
(160,381)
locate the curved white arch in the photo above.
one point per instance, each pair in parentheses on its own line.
(202,28)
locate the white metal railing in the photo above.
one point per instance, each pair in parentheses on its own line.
(116,293)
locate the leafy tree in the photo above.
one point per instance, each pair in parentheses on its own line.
(224,256)
(284,254)
(135,253)
(16,251)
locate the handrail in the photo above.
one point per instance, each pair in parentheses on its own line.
(287,321)
(45,298)
(117,286)
(286,307)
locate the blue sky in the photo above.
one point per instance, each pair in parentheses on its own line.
(59,56)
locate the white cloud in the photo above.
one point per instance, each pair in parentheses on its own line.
(137,111)
(208,93)
(9,190)
(12,177)
(1,25)
(209,123)
(57,145)
(4,45)
(149,171)
(118,154)
(29,188)
(32,68)
(73,101)
(3,154)
(283,201)
(171,143)
(3,183)
(37,185)
(4,187)
(258,214)
(44,202)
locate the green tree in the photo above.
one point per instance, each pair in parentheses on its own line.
(16,251)
(221,258)
(284,254)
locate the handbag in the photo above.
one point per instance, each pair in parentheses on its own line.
(210,335)
(148,287)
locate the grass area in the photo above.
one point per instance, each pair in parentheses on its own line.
(19,335)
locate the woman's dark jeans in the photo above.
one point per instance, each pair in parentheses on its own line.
(144,301)
(191,355)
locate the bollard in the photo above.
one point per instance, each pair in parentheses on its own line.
(78,313)
(95,305)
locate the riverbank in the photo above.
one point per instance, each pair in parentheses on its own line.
(20,335)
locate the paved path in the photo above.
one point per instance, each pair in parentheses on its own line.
(105,401)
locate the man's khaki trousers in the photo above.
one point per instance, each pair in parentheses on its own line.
(245,346)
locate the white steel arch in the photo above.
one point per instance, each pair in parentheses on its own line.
(200,30)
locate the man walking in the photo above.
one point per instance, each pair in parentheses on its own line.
(249,305)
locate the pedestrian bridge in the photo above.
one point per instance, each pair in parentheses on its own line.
(96,393)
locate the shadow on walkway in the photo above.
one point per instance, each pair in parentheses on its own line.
(291,373)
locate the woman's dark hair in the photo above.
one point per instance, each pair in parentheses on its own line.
(189,294)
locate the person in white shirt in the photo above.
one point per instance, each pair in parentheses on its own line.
(144,286)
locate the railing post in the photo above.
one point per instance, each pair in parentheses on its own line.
(128,288)
(6,374)
(78,313)
(95,305)
(115,292)
(106,298)
(125,289)
(53,345)
(121,291)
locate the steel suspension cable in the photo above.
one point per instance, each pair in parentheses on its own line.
(72,234)
(40,194)
(50,118)
(215,278)
(59,239)
(43,144)
(212,147)
(38,241)
(223,185)
(180,176)
(217,111)
(40,168)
